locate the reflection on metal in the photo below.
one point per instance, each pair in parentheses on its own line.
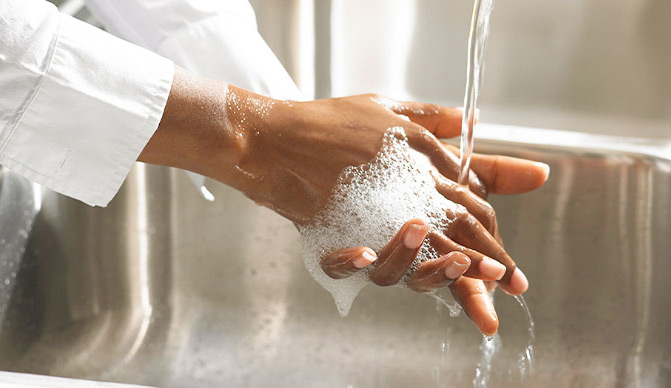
(635,367)
(390,30)
(162,288)
(141,244)
(20,201)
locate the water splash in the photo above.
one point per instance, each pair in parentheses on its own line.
(493,364)
(442,375)
(489,347)
(444,298)
(525,360)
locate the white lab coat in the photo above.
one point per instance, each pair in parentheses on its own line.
(213,38)
(77,105)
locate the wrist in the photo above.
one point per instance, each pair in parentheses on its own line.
(252,125)
(192,125)
(205,128)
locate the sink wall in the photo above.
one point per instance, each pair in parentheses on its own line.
(164,288)
(596,66)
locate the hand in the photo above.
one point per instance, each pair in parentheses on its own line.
(502,175)
(288,156)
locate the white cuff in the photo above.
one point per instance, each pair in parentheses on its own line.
(93,112)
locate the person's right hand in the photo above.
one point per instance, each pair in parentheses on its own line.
(501,175)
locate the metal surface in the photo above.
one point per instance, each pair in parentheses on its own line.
(599,66)
(164,288)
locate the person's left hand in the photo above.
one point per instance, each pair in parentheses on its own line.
(470,284)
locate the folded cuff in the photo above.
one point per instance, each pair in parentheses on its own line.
(98,105)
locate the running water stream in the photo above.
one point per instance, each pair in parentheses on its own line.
(482,10)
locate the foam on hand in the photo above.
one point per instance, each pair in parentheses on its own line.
(368,207)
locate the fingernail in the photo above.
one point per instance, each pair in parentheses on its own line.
(366,258)
(545,168)
(518,281)
(415,235)
(456,269)
(492,268)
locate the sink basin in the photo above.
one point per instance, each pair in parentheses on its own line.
(164,288)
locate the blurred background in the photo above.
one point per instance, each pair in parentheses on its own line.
(599,66)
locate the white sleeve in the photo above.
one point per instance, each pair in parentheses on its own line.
(77,105)
(214,38)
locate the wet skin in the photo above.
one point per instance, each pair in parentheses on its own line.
(288,156)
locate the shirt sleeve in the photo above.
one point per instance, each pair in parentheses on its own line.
(216,39)
(77,105)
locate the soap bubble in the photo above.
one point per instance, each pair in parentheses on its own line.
(368,207)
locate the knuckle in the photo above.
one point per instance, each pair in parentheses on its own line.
(424,134)
(491,218)
(433,110)
(462,216)
(490,213)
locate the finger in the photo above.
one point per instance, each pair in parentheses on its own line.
(491,286)
(478,207)
(516,284)
(345,262)
(469,232)
(445,161)
(440,120)
(482,267)
(472,295)
(397,256)
(439,273)
(507,175)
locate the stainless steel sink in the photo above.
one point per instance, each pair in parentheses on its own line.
(164,288)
